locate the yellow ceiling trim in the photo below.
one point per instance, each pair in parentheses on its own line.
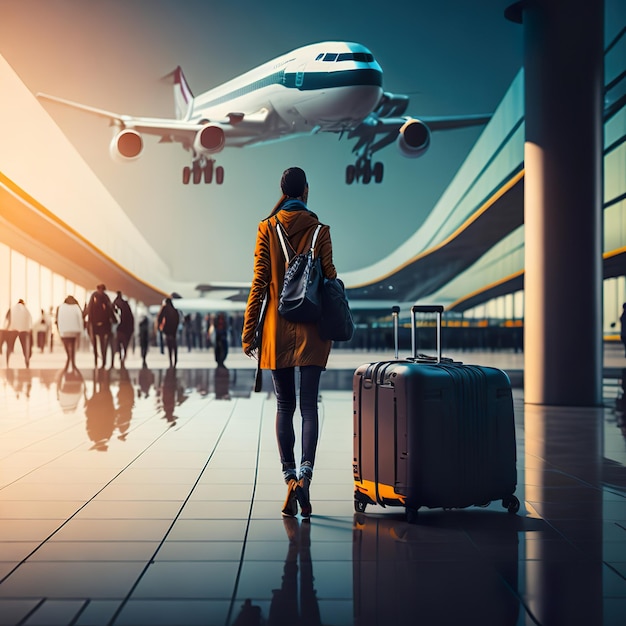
(34,204)
(470,220)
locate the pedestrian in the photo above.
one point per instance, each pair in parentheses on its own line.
(144,338)
(188,331)
(50,317)
(221,338)
(19,324)
(40,328)
(622,321)
(100,317)
(168,321)
(125,328)
(286,345)
(70,324)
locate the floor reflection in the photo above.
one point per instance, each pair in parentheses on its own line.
(125,403)
(620,403)
(108,397)
(71,389)
(100,411)
(171,394)
(20,380)
(295,601)
(446,569)
(564,475)
(182,525)
(145,380)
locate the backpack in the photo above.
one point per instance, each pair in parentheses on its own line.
(100,310)
(300,298)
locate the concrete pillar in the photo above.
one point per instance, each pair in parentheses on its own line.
(563,66)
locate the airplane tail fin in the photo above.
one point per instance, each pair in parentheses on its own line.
(183,97)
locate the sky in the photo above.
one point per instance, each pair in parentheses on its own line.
(452,57)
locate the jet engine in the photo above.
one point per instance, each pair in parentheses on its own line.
(413,139)
(126,145)
(209,139)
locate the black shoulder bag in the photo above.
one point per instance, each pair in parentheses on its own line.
(300,297)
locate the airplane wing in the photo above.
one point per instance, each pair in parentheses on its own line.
(163,127)
(455,121)
(388,124)
(170,129)
(203,138)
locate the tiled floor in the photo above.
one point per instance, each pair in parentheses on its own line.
(154,499)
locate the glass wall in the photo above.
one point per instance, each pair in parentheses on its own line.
(37,285)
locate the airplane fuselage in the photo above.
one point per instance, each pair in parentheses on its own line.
(328,87)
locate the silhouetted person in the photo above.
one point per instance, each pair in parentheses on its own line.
(196,322)
(40,328)
(19,325)
(50,317)
(125,327)
(168,321)
(70,325)
(622,321)
(620,405)
(144,338)
(100,317)
(221,338)
(188,331)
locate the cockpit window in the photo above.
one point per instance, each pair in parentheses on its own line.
(362,57)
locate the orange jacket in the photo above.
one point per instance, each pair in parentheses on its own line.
(284,343)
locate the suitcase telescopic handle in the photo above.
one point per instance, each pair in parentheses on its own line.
(395,312)
(426,308)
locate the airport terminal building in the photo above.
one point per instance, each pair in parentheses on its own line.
(146,495)
(62,232)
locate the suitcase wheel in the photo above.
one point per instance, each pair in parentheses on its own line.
(511,504)
(361,501)
(359,505)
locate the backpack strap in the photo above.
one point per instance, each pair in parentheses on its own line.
(283,236)
(314,240)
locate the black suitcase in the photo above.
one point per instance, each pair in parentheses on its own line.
(431,432)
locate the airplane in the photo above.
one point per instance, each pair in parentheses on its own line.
(331,87)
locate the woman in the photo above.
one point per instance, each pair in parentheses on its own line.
(70,325)
(19,323)
(286,345)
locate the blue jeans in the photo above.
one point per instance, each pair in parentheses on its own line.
(285,389)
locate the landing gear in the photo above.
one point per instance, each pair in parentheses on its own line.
(200,171)
(364,171)
(196,171)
